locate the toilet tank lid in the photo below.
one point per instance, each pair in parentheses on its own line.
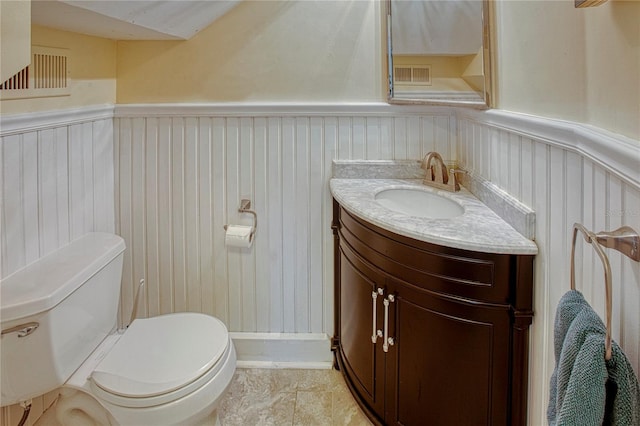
(46,282)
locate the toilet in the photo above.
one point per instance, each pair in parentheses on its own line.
(58,319)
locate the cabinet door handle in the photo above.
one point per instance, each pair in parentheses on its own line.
(387,341)
(374,335)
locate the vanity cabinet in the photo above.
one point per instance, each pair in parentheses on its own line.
(427,334)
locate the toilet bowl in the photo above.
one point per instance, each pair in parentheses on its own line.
(166,370)
(58,324)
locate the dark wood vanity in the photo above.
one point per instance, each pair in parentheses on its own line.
(427,334)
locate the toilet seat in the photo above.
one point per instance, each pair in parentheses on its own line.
(158,360)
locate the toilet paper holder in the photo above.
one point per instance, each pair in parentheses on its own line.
(245,207)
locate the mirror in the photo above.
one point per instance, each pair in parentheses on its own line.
(439,52)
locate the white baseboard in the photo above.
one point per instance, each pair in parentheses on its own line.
(283,350)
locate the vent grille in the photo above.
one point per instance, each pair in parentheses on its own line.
(49,71)
(402,74)
(412,74)
(588,3)
(46,76)
(17,82)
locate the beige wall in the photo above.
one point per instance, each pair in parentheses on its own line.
(92,72)
(581,65)
(15,19)
(552,60)
(306,51)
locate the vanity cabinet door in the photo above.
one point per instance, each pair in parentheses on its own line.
(449,361)
(362,359)
(456,324)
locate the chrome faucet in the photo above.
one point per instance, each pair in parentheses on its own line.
(437,173)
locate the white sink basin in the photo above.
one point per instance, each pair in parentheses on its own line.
(414,202)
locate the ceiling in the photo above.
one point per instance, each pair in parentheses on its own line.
(130,20)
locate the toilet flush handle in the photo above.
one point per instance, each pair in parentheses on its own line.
(23,330)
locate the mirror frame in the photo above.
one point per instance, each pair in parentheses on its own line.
(488,23)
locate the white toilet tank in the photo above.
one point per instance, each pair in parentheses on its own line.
(64,304)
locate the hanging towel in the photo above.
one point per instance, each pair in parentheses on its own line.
(580,374)
(623,407)
(569,306)
(585,389)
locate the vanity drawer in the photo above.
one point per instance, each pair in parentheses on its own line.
(458,273)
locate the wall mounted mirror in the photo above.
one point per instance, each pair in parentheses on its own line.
(439,52)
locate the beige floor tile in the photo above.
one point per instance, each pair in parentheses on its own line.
(313,408)
(289,397)
(258,397)
(257,409)
(284,380)
(318,380)
(278,397)
(346,410)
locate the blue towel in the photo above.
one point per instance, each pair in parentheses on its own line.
(569,306)
(585,389)
(623,391)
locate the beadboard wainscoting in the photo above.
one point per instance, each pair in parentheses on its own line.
(169,177)
(181,173)
(56,183)
(566,173)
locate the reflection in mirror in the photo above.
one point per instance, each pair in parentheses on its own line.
(438,52)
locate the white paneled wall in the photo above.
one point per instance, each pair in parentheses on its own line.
(56,183)
(564,185)
(175,174)
(181,175)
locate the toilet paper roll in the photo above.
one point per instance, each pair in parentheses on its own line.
(238,236)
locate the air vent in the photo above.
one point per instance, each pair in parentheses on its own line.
(588,3)
(49,71)
(46,76)
(402,75)
(412,74)
(17,82)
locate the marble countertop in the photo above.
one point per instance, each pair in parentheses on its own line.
(478,228)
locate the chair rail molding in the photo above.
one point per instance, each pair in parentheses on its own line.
(617,153)
(276,109)
(33,121)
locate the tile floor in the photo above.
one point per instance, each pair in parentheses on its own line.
(289,397)
(279,397)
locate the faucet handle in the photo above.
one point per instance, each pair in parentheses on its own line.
(452,173)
